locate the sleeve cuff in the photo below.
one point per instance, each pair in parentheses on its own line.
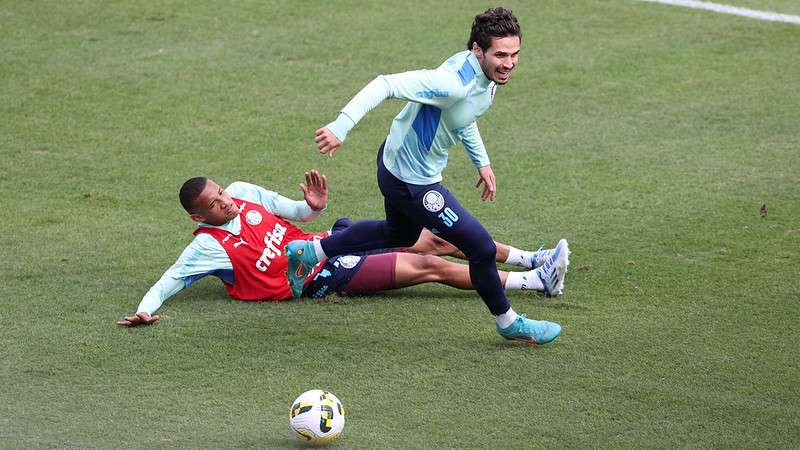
(481,163)
(317,213)
(341,126)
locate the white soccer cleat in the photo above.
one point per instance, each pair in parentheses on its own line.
(540,256)
(552,271)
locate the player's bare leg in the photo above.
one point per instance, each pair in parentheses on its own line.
(412,269)
(430,244)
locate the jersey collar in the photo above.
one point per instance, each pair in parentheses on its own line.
(480,77)
(233,226)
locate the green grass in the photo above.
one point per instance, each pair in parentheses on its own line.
(649,136)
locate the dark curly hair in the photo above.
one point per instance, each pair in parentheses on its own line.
(190,190)
(494,22)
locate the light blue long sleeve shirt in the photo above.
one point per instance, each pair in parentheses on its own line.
(205,256)
(442,109)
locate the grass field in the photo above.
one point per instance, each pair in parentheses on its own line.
(649,136)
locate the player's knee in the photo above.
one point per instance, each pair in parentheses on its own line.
(432,266)
(341,224)
(485,250)
(432,262)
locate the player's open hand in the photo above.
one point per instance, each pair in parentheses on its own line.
(137,319)
(489,184)
(327,142)
(315,190)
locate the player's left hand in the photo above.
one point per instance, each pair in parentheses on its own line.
(489,184)
(141,318)
(315,190)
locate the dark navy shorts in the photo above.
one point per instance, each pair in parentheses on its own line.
(411,207)
(337,272)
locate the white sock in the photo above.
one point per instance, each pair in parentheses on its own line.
(519,257)
(507,318)
(524,281)
(319,251)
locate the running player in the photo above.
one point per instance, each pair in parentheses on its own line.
(442,108)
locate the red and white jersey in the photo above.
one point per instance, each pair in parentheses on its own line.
(256,253)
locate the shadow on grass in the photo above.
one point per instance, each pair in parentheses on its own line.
(214,294)
(288,443)
(518,298)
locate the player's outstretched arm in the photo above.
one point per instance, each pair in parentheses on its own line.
(166,287)
(440,88)
(141,318)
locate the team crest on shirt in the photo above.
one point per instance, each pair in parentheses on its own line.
(253,217)
(433,201)
(349,261)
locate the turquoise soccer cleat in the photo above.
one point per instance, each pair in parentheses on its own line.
(302,259)
(530,331)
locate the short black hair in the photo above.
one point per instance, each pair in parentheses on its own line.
(493,23)
(190,190)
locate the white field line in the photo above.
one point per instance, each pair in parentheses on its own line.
(735,10)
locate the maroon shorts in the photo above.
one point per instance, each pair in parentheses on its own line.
(375,274)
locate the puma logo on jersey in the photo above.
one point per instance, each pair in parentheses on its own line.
(236,244)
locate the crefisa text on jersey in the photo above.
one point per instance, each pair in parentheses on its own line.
(272,240)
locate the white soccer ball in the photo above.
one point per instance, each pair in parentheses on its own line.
(317,417)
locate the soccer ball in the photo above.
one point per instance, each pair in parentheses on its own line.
(317,417)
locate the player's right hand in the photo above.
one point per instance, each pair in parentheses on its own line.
(327,142)
(486,176)
(137,319)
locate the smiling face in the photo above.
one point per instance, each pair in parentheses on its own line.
(214,206)
(499,59)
